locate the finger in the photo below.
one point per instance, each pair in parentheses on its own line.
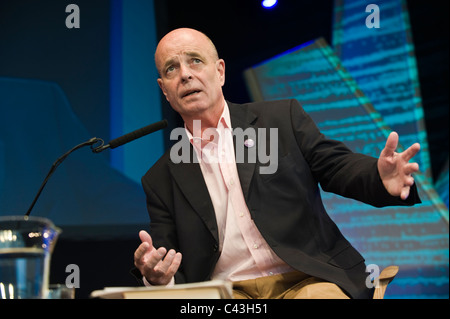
(162,275)
(409,181)
(155,257)
(411,168)
(391,144)
(405,193)
(140,252)
(411,151)
(166,262)
(176,262)
(145,237)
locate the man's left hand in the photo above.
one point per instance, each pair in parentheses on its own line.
(394,168)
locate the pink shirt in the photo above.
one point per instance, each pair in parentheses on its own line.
(244,252)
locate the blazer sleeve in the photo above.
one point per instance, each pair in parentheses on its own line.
(162,226)
(338,169)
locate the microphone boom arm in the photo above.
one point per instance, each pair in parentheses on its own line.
(56,164)
(97,149)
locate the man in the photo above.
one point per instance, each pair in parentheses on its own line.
(269,233)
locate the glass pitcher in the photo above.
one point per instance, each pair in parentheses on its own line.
(26,245)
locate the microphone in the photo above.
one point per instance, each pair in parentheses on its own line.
(131,136)
(97,149)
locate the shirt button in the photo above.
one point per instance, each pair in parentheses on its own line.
(241,214)
(231,181)
(255,246)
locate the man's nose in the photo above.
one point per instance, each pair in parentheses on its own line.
(185,73)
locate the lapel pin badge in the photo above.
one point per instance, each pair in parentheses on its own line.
(249,143)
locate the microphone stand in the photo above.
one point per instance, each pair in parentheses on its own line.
(90,142)
(99,148)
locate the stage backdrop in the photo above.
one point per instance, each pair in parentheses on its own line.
(380,58)
(414,238)
(61,85)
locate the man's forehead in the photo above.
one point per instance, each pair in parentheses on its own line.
(178,52)
(178,44)
(172,57)
(179,40)
(182,54)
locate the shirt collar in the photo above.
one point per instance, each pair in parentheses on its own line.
(224,121)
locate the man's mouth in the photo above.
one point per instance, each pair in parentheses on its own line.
(191,93)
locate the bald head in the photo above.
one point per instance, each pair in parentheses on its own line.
(191,76)
(183,37)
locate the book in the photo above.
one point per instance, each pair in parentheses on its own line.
(214,289)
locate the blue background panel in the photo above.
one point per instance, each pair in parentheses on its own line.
(414,238)
(61,86)
(382,62)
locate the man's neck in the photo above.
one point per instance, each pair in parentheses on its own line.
(208,119)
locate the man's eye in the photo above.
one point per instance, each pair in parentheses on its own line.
(196,61)
(170,69)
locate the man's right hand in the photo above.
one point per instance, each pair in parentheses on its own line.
(150,262)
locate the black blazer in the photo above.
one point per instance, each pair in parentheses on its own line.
(286,206)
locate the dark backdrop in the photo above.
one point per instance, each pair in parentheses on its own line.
(245,34)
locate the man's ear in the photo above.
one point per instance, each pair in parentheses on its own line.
(220,64)
(161,86)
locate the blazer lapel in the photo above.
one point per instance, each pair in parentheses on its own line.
(189,179)
(244,119)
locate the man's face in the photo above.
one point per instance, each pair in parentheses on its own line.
(192,76)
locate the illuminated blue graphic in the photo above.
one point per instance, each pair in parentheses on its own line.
(414,238)
(382,62)
(441,184)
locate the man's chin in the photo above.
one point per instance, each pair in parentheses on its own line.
(193,106)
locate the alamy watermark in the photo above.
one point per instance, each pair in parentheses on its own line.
(373,279)
(251,146)
(73,19)
(73,279)
(373,19)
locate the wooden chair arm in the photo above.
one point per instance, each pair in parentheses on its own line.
(386,276)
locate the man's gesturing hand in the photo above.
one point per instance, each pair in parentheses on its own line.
(395,169)
(150,262)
